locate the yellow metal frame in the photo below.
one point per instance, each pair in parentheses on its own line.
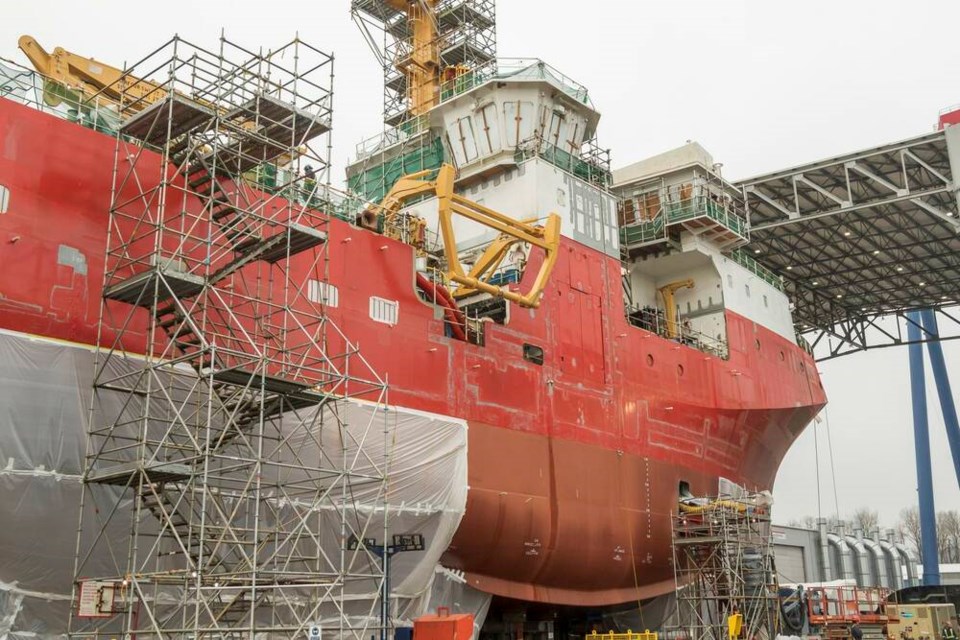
(512,231)
(669,304)
(629,635)
(91,76)
(422,67)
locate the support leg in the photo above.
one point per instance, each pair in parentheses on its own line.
(921,439)
(947,405)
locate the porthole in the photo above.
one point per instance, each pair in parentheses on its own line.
(757,343)
(650,359)
(783,356)
(679,369)
(4,199)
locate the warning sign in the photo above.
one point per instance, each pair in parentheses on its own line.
(96,599)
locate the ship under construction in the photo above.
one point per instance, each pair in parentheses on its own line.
(486,370)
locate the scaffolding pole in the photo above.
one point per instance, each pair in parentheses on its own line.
(723,562)
(236,436)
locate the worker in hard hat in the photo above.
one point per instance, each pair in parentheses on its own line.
(947,632)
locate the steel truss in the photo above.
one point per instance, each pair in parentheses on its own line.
(723,564)
(227,465)
(863,238)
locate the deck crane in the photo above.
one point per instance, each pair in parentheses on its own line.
(130,94)
(668,293)
(421,66)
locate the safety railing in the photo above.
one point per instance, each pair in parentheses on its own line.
(33,89)
(664,207)
(629,635)
(847,604)
(406,130)
(585,165)
(655,321)
(757,269)
(513,69)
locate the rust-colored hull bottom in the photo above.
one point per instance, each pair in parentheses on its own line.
(557,521)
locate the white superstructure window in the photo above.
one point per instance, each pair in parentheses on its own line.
(323,293)
(383,310)
(4,198)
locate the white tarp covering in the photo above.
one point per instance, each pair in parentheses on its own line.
(44,400)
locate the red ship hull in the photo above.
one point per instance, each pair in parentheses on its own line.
(574,464)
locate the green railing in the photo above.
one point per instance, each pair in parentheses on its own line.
(643,232)
(757,269)
(700,206)
(513,69)
(569,162)
(374,181)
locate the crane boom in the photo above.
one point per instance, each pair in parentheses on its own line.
(512,231)
(668,292)
(130,93)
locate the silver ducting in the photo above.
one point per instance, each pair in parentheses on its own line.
(844,564)
(892,557)
(879,562)
(825,563)
(907,558)
(861,560)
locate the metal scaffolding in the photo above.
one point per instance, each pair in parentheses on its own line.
(723,563)
(466,43)
(228,465)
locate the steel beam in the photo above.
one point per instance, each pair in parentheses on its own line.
(939,366)
(921,440)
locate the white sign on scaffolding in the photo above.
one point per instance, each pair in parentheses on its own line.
(96,599)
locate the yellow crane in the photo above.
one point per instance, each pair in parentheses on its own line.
(668,294)
(90,77)
(512,231)
(422,66)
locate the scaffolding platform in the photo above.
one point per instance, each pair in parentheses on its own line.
(723,563)
(139,289)
(296,239)
(256,380)
(167,120)
(125,474)
(464,13)
(463,51)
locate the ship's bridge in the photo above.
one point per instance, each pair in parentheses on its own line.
(861,239)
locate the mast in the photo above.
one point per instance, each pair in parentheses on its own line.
(425,47)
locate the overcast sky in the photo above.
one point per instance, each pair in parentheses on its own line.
(762,85)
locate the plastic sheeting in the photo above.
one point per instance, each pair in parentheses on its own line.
(44,402)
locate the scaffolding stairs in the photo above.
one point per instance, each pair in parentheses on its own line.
(157,499)
(243,398)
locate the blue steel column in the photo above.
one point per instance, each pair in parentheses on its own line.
(939,366)
(921,439)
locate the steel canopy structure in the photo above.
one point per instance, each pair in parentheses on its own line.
(863,238)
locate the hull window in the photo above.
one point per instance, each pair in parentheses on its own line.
(4,198)
(323,293)
(533,353)
(383,310)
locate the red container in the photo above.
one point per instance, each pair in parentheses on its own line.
(443,626)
